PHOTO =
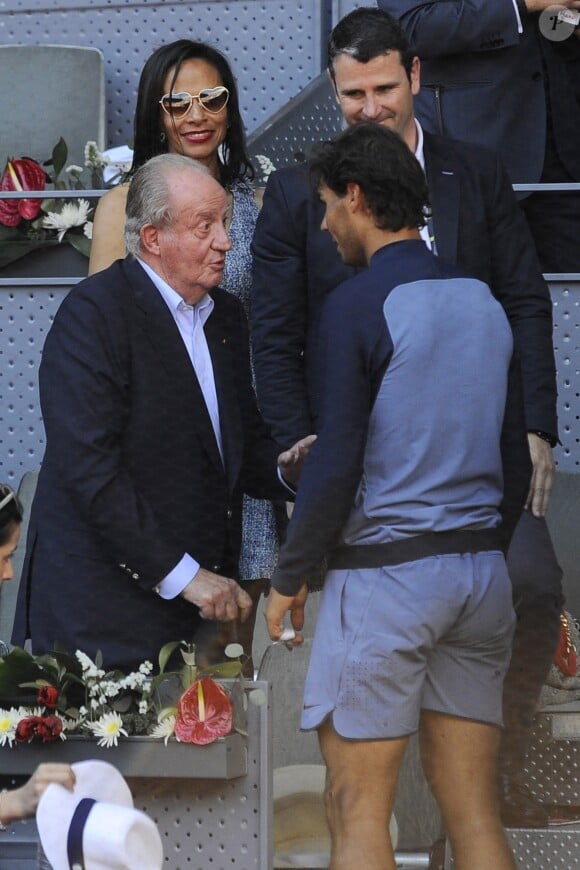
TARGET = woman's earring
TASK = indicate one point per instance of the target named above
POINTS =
(162, 137)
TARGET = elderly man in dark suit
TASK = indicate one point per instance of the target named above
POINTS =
(476, 224)
(153, 435)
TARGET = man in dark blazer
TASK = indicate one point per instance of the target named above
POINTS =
(476, 223)
(153, 434)
(501, 73)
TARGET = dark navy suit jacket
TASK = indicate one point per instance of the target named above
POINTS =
(132, 477)
(478, 226)
(483, 81)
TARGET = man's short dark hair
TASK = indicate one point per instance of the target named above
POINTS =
(389, 175)
(367, 33)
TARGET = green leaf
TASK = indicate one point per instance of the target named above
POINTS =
(166, 652)
(16, 668)
(225, 670)
(79, 243)
(11, 251)
(59, 157)
(166, 713)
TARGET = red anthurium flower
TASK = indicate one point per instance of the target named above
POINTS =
(48, 696)
(204, 713)
(22, 174)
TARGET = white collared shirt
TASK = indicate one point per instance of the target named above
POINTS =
(190, 320)
(421, 158)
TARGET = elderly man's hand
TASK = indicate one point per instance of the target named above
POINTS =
(217, 597)
(542, 475)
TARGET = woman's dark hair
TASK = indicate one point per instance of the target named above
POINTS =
(10, 513)
(380, 162)
(149, 138)
(366, 33)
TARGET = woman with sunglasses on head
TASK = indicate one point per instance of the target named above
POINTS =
(187, 103)
(20, 803)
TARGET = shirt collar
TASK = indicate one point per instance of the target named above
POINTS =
(419, 149)
(172, 299)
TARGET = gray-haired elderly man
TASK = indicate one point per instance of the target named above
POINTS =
(153, 435)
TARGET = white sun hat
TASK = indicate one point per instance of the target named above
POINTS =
(301, 834)
(96, 827)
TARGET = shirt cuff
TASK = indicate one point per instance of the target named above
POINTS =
(285, 483)
(177, 579)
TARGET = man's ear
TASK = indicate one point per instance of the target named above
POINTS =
(150, 239)
(415, 76)
(354, 197)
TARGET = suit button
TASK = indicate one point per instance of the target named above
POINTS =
(135, 576)
(229, 514)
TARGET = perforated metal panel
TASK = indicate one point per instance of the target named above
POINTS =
(274, 46)
(25, 317)
(566, 299)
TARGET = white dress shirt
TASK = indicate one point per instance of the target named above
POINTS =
(190, 320)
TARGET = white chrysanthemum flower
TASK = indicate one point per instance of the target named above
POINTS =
(108, 728)
(69, 724)
(88, 229)
(93, 157)
(9, 719)
(73, 214)
(165, 728)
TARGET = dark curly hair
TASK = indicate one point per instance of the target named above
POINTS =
(10, 513)
(366, 33)
(234, 163)
(389, 175)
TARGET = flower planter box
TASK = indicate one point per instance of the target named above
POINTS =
(138, 756)
(59, 261)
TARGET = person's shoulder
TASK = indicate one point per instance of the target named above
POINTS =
(114, 199)
(295, 177)
(467, 154)
(104, 286)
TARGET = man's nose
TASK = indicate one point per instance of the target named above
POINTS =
(222, 240)
(372, 107)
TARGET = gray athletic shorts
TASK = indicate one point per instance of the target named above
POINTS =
(432, 634)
